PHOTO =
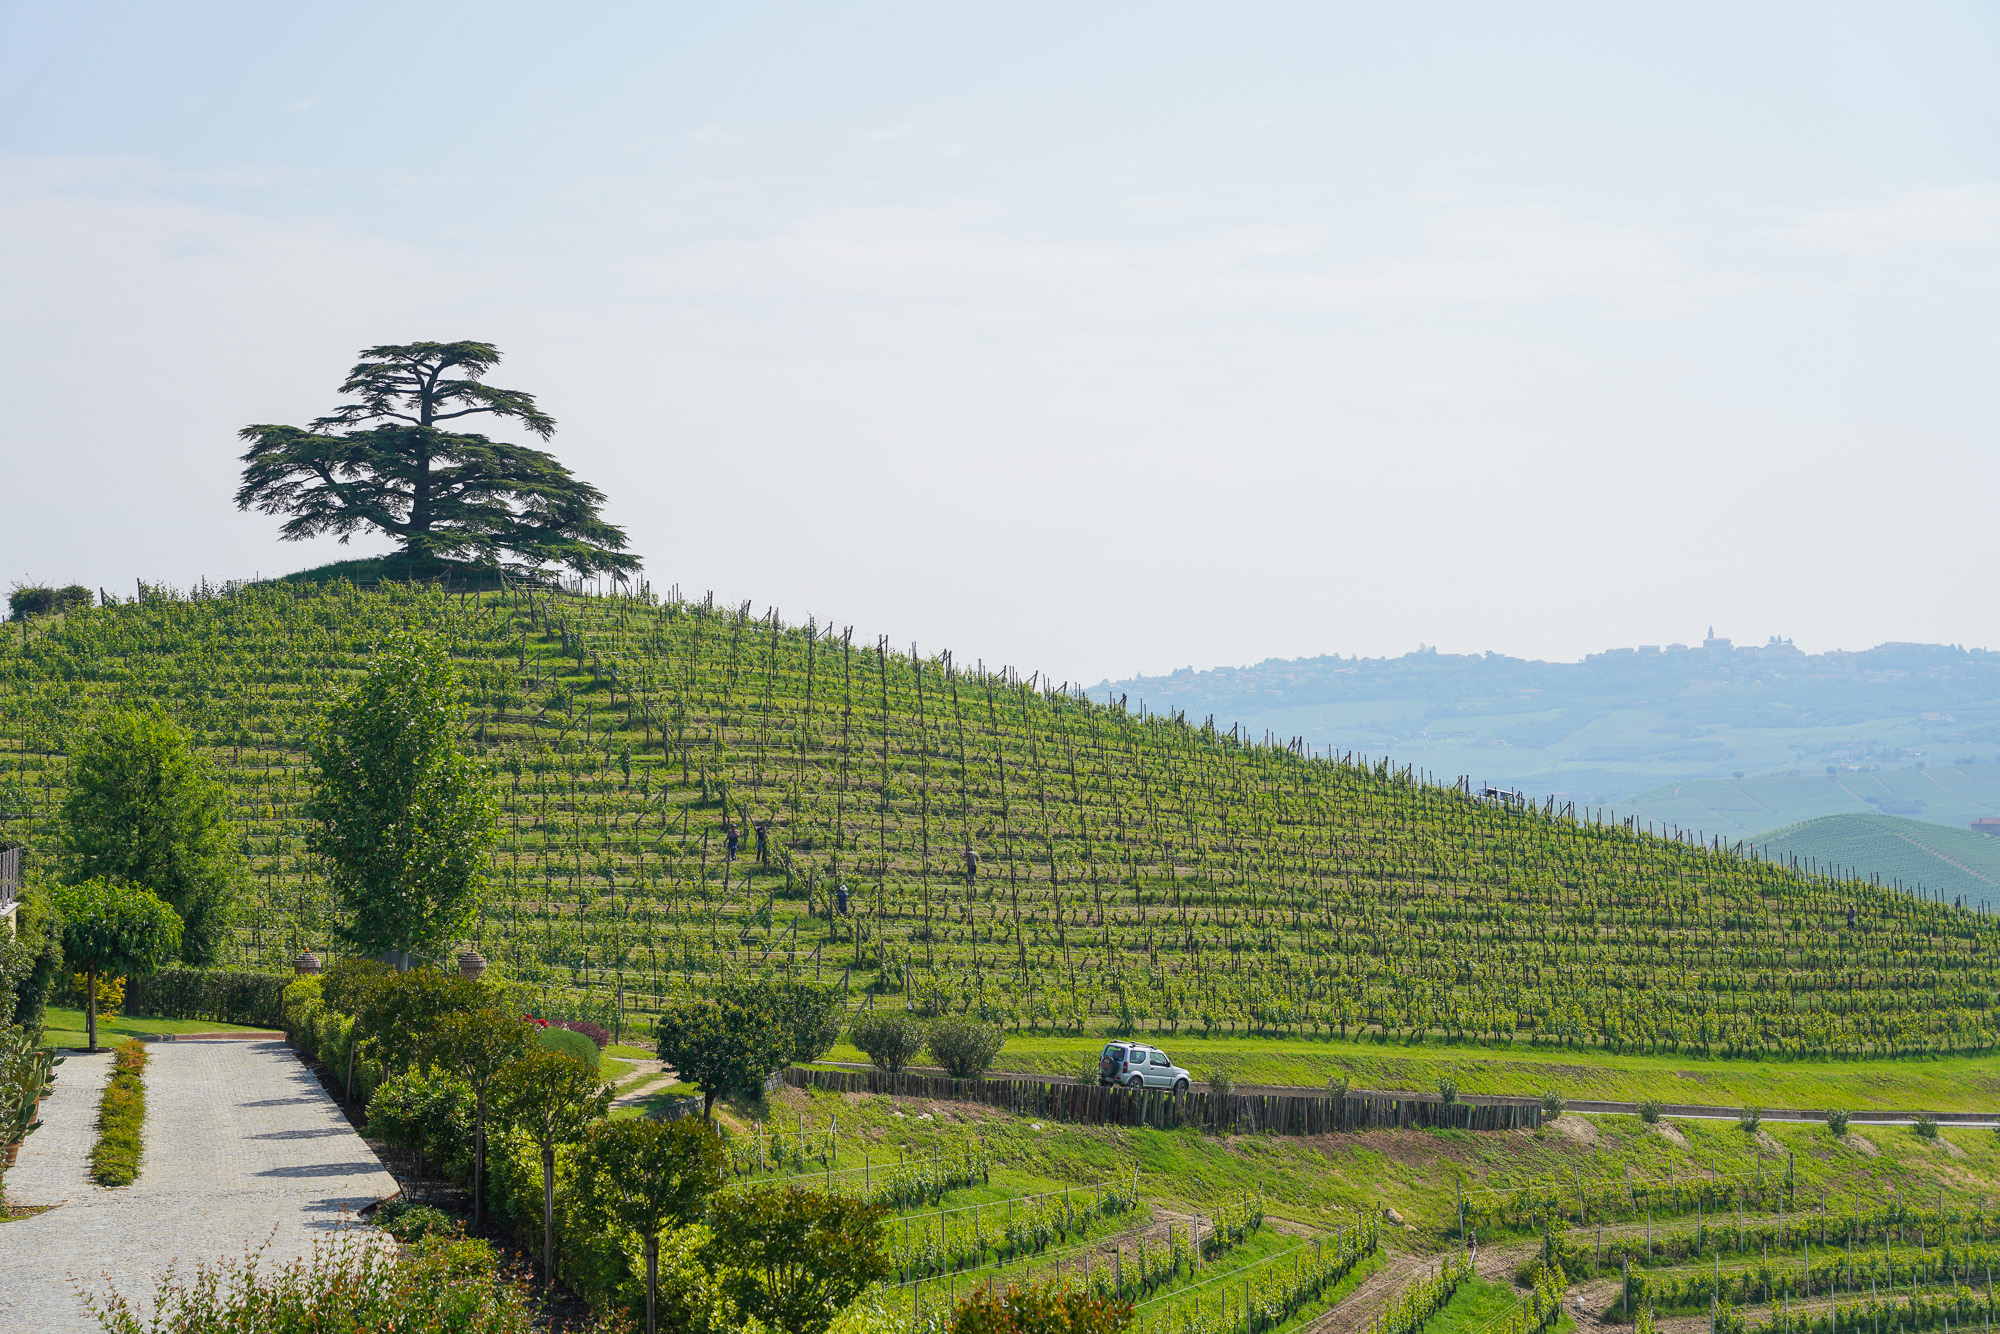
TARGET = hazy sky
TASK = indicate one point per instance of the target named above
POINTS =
(1087, 338)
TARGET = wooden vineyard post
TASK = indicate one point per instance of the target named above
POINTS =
(1458, 1187)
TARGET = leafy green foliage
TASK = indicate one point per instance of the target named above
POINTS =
(964, 1047)
(574, 1046)
(1836, 1123)
(1650, 1110)
(889, 1038)
(142, 808)
(398, 810)
(121, 1118)
(796, 1257)
(476, 1045)
(114, 929)
(226, 996)
(35, 600)
(649, 1177)
(721, 1046)
(1039, 1311)
(552, 1099)
(345, 1283)
(427, 1112)
(31, 962)
(441, 493)
(1925, 1126)
(1220, 1079)
(411, 1223)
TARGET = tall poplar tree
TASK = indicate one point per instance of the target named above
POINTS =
(399, 811)
(143, 809)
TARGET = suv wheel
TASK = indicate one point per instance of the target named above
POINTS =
(1136, 1082)
(1180, 1086)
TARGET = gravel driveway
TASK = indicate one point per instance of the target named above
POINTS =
(243, 1146)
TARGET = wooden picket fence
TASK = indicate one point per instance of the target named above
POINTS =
(1277, 1114)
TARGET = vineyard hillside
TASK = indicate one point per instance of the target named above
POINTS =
(1957, 862)
(1132, 870)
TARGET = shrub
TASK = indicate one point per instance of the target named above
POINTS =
(1749, 1119)
(110, 992)
(36, 600)
(121, 1118)
(411, 1223)
(889, 1038)
(595, 1032)
(1448, 1089)
(1836, 1123)
(964, 1047)
(428, 1113)
(1925, 1125)
(1336, 1085)
(345, 1283)
(1650, 1109)
(1553, 1105)
(577, 1046)
(1039, 1311)
(1219, 1080)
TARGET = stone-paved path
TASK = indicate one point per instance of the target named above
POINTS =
(55, 1160)
(243, 1146)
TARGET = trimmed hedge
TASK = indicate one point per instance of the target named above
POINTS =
(121, 1116)
(576, 1046)
(217, 995)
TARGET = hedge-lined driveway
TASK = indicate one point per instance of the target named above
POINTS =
(243, 1147)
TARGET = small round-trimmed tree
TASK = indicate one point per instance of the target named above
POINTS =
(797, 1258)
(889, 1038)
(964, 1047)
(553, 1099)
(650, 1176)
(114, 930)
(477, 1045)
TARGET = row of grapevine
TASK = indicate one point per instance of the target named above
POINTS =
(1003, 1231)
(1960, 1307)
(1887, 1226)
(1135, 870)
(1870, 1272)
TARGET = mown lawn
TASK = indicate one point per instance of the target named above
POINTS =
(1938, 1084)
(64, 1027)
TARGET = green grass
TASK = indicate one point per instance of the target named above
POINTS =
(1936, 1084)
(64, 1027)
(121, 1118)
(399, 568)
(1478, 1303)
(1917, 852)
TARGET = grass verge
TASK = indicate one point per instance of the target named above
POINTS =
(1911, 1083)
(1477, 1304)
(64, 1027)
(121, 1118)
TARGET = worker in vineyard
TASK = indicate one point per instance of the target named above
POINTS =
(763, 842)
(729, 841)
(840, 894)
(971, 866)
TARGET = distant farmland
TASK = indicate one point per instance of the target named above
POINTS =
(1950, 861)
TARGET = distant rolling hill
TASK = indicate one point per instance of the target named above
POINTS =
(1941, 794)
(1950, 861)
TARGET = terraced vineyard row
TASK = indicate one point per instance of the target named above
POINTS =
(1007, 847)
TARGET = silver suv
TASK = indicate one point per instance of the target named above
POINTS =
(1136, 1065)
